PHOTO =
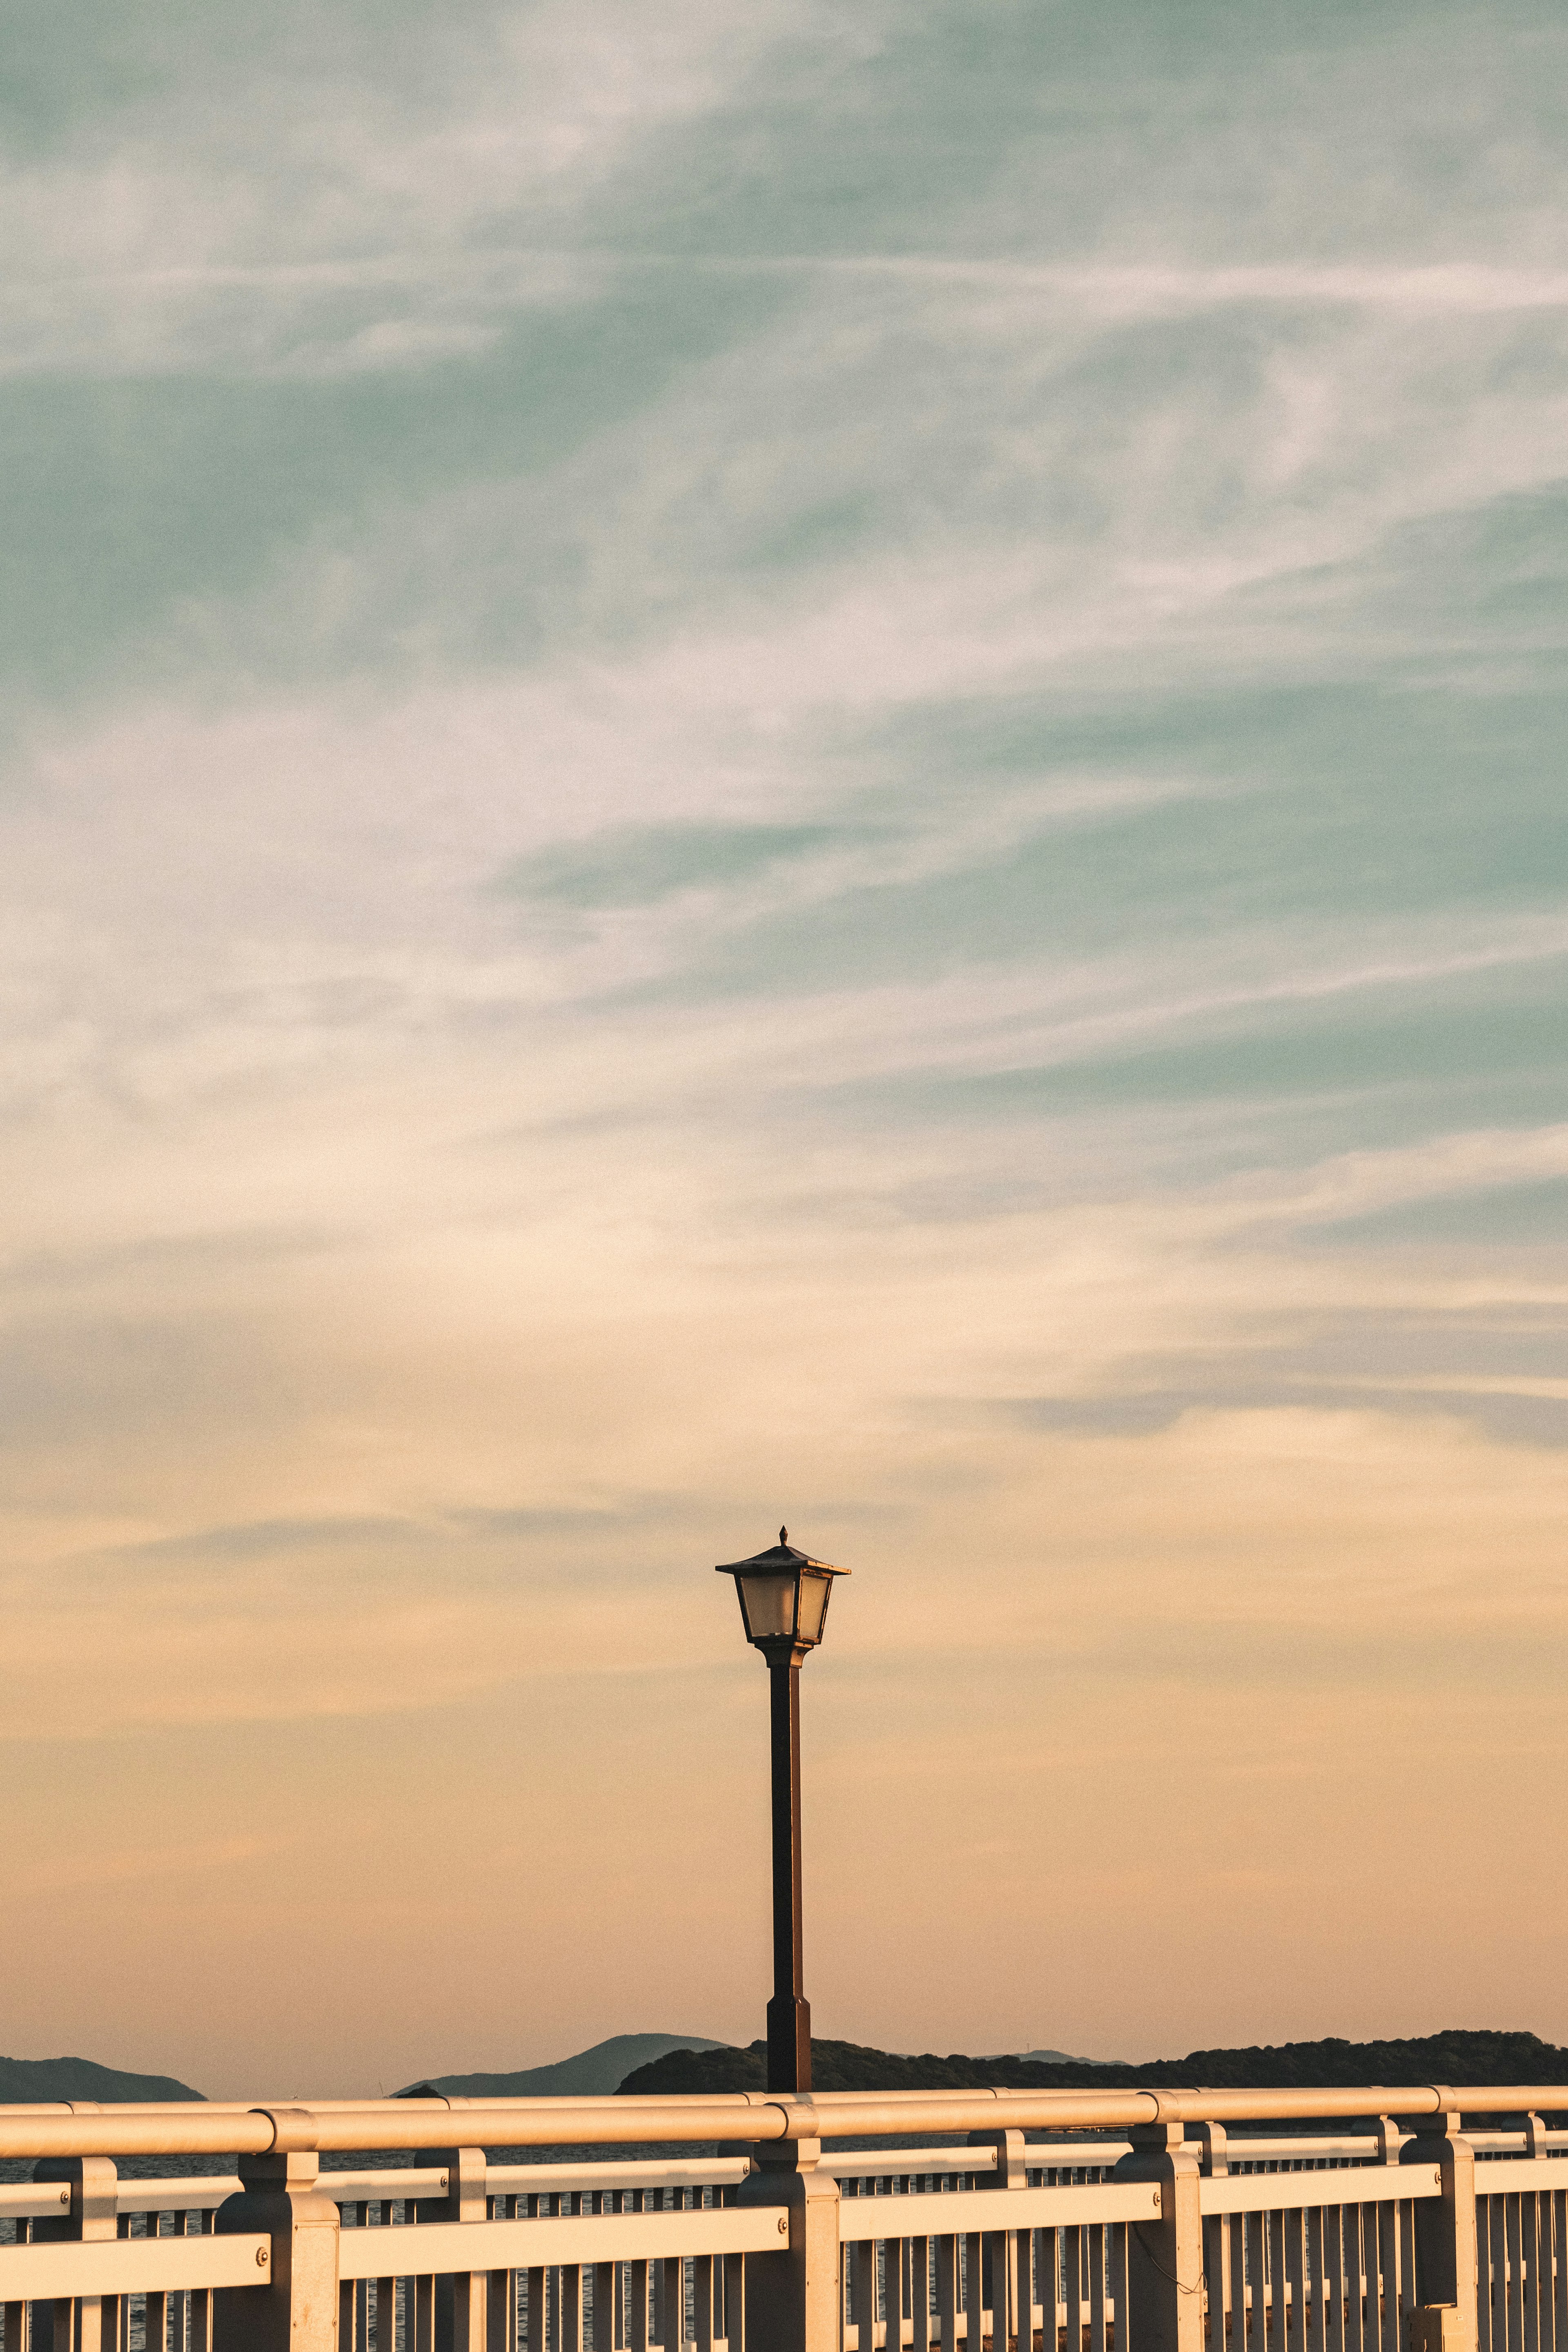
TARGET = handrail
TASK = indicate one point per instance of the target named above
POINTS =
(735, 2116)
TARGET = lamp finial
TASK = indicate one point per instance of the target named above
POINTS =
(783, 1534)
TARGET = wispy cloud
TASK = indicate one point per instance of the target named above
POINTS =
(806, 765)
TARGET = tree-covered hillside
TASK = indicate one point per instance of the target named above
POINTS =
(1457, 2057)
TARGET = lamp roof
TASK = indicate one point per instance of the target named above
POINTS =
(782, 1559)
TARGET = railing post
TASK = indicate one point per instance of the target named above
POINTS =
(1164, 2255)
(93, 2186)
(297, 2309)
(792, 2298)
(1445, 2237)
(461, 2296)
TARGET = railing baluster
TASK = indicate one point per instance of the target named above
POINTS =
(1513, 2333)
(1321, 2246)
(1073, 2276)
(1352, 2219)
(1530, 2251)
(920, 2285)
(1036, 2264)
(1548, 2237)
(1328, 2235)
(735, 2302)
(863, 2292)
(201, 2298)
(1257, 2284)
(1293, 2227)
(947, 2292)
(1232, 2290)
(182, 2300)
(1095, 2233)
(155, 2327)
(1408, 2283)
(568, 2312)
(1235, 2334)
(1275, 2233)
(1222, 2266)
(639, 2282)
(671, 2303)
(601, 2278)
(1119, 2289)
(619, 2202)
(531, 2337)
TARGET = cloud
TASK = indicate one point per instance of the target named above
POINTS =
(317, 202)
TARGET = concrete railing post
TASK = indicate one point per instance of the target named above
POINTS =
(90, 2185)
(1444, 2320)
(461, 2296)
(792, 2298)
(1164, 2256)
(297, 2310)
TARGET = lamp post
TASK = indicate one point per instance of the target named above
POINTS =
(783, 1597)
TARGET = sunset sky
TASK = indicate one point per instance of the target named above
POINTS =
(794, 761)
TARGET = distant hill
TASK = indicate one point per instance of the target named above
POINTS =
(601, 2069)
(1064, 2058)
(30, 2081)
(1452, 2057)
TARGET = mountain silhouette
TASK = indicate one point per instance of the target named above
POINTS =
(1455, 2057)
(33, 2082)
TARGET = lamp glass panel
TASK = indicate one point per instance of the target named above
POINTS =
(769, 1605)
(814, 1605)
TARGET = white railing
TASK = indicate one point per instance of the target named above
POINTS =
(1431, 2241)
(1522, 2250)
(980, 2257)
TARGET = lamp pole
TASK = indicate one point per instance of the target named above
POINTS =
(789, 2011)
(783, 1596)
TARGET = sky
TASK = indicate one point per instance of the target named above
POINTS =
(791, 764)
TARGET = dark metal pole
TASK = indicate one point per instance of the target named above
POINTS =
(789, 2011)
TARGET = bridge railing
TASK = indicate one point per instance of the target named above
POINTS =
(1145, 2222)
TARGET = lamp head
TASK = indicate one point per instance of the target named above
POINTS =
(783, 1594)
